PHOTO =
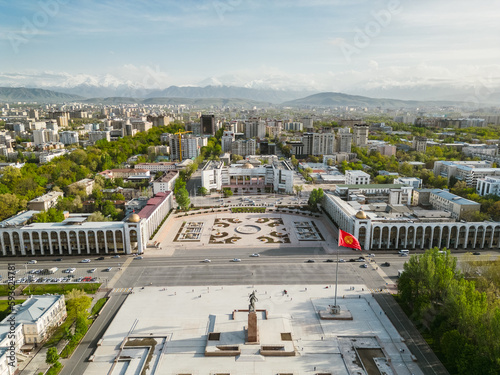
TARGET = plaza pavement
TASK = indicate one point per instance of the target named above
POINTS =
(179, 319)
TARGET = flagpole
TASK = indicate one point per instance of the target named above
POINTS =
(336, 310)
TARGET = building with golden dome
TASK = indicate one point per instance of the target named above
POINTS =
(76, 236)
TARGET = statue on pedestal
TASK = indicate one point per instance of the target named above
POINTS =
(253, 298)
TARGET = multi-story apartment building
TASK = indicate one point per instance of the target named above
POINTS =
(420, 144)
(244, 147)
(45, 136)
(255, 128)
(190, 146)
(488, 185)
(294, 125)
(95, 136)
(458, 206)
(87, 184)
(468, 171)
(414, 182)
(360, 134)
(68, 137)
(46, 201)
(227, 140)
(318, 143)
(344, 140)
(166, 182)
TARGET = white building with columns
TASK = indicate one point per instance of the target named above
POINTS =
(78, 237)
(390, 227)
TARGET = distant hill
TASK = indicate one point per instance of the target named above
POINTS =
(198, 102)
(337, 99)
(23, 94)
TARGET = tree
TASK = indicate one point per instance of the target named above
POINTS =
(236, 157)
(329, 162)
(294, 161)
(315, 198)
(227, 192)
(10, 205)
(298, 189)
(52, 356)
(182, 198)
(52, 215)
(202, 191)
(97, 216)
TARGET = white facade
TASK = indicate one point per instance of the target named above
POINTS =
(68, 137)
(488, 185)
(458, 206)
(414, 182)
(409, 231)
(156, 167)
(165, 183)
(190, 146)
(227, 140)
(86, 238)
(277, 176)
(356, 177)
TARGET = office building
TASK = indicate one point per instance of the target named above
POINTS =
(488, 185)
(208, 124)
(355, 177)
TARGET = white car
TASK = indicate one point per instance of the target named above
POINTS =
(85, 261)
(255, 255)
(32, 262)
(108, 269)
(207, 261)
(138, 257)
(71, 270)
(115, 256)
(92, 270)
(236, 260)
(364, 265)
(371, 255)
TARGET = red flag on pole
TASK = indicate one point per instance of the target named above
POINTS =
(348, 240)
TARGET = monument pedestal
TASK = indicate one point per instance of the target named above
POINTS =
(252, 330)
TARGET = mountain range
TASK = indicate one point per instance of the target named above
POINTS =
(222, 96)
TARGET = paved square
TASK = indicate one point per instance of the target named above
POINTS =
(167, 330)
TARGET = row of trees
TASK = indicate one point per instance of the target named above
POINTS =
(464, 321)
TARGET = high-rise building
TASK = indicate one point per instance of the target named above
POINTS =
(68, 138)
(207, 124)
(190, 146)
(344, 140)
(360, 134)
(226, 140)
(244, 147)
(318, 143)
(308, 124)
(255, 128)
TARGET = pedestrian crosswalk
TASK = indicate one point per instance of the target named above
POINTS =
(121, 290)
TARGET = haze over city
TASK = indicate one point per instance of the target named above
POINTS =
(398, 49)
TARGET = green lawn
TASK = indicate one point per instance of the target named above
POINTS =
(98, 306)
(37, 289)
(5, 309)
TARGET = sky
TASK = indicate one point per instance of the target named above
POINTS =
(356, 46)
